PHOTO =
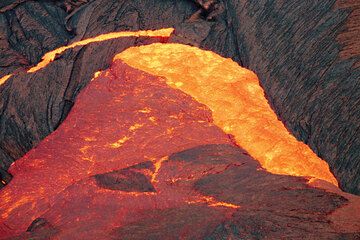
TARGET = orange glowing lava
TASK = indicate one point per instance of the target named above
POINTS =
(50, 56)
(4, 79)
(210, 201)
(139, 126)
(237, 101)
(128, 124)
(157, 164)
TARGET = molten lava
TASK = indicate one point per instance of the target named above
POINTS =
(50, 56)
(235, 97)
(4, 79)
(136, 147)
(237, 102)
(136, 119)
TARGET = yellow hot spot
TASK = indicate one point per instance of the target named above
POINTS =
(119, 142)
(237, 102)
(152, 119)
(50, 56)
(126, 194)
(90, 159)
(90, 139)
(135, 127)
(84, 149)
(212, 202)
(4, 79)
(179, 84)
(174, 180)
(223, 204)
(145, 110)
(157, 164)
(170, 130)
(137, 194)
(96, 74)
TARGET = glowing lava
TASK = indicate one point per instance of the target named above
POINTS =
(237, 101)
(210, 201)
(127, 124)
(50, 56)
(133, 149)
(4, 79)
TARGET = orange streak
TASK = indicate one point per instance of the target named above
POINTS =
(157, 164)
(4, 79)
(237, 101)
(96, 74)
(210, 201)
(50, 56)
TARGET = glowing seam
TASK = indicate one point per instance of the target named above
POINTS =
(4, 79)
(50, 56)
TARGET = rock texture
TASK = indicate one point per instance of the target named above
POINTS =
(28, 31)
(145, 161)
(305, 54)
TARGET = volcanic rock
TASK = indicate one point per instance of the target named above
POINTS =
(127, 180)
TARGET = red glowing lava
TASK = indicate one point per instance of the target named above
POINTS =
(135, 118)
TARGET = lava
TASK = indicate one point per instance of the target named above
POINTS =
(127, 124)
(213, 203)
(4, 79)
(136, 147)
(159, 148)
(50, 56)
(157, 164)
(237, 101)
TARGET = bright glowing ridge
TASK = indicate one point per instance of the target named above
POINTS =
(50, 56)
(237, 101)
(4, 79)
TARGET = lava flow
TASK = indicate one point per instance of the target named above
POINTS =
(50, 56)
(135, 122)
(4, 79)
(137, 158)
(237, 102)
